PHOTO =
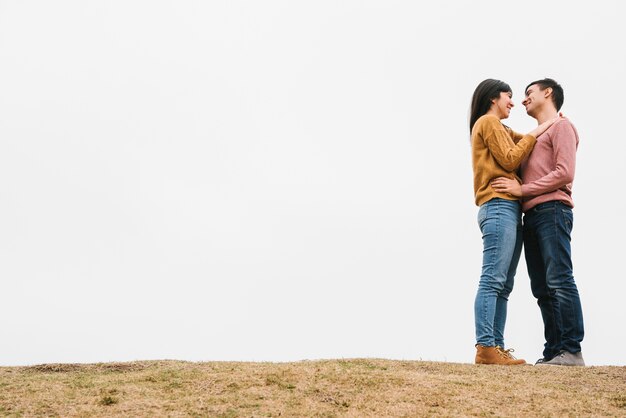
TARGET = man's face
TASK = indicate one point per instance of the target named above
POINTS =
(535, 99)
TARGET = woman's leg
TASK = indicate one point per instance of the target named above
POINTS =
(499, 222)
(503, 297)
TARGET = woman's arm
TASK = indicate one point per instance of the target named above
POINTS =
(516, 136)
(498, 140)
(543, 127)
(509, 157)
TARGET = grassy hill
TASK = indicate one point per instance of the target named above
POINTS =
(342, 388)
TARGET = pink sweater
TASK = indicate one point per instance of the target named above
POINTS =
(548, 173)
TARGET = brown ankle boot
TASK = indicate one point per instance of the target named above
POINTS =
(508, 355)
(495, 355)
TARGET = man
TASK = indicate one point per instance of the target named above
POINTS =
(546, 193)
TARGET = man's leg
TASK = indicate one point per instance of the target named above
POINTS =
(537, 273)
(560, 279)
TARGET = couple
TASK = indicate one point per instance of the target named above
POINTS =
(546, 157)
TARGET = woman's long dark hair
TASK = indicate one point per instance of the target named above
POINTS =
(481, 100)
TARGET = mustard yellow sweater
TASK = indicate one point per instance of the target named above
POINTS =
(497, 151)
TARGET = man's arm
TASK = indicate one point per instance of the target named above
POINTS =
(564, 146)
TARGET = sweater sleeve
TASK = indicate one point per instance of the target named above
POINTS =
(516, 136)
(564, 146)
(509, 157)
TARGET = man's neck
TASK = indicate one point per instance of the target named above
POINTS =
(546, 114)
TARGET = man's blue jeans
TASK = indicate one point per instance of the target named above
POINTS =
(547, 229)
(500, 222)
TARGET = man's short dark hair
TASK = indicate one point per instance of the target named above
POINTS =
(557, 91)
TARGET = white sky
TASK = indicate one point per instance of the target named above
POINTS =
(281, 180)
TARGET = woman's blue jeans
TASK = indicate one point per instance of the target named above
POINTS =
(500, 222)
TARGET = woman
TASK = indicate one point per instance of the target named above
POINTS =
(497, 151)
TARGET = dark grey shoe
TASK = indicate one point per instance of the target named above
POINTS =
(564, 358)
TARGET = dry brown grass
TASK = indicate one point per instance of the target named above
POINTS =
(341, 388)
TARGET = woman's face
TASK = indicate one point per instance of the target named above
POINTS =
(501, 106)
